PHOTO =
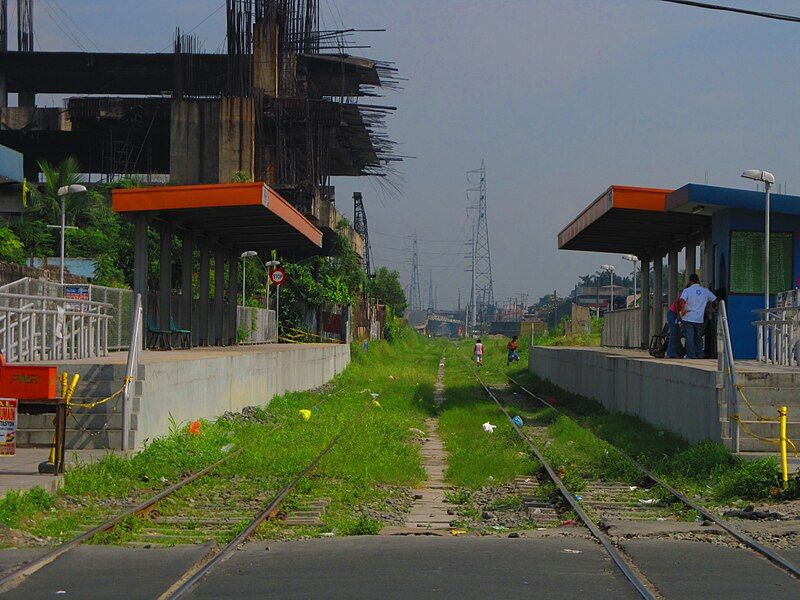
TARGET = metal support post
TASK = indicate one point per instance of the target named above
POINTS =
(645, 304)
(233, 292)
(658, 296)
(140, 266)
(187, 269)
(202, 320)
(219, 296)
(690, 260)
(672, 275)
(165, 278)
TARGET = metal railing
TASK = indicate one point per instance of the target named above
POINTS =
(778, 335)
(38, 328)
(131, 369)
(119, 328)
(727, 370)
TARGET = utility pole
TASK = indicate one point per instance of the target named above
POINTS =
(459, 299)
(431, 302)
(415, 299)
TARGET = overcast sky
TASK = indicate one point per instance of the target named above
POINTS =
(562, 98)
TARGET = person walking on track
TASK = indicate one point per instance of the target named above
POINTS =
(478, 352)
(512, 351)
(696, 298)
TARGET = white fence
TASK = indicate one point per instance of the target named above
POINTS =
(778, 335)
(255, 325)
(39, 328)
(121, 299)
(623, 328)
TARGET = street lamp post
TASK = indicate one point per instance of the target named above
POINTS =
(244, 256)
(768, 179)
(63, 192)
(634, 259)
(610, 269)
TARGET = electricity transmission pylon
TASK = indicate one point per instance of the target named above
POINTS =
(361, 228)
(415, 297)
(484, 292)
(431, 301)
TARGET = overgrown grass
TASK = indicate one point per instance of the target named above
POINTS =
(478, 458)
(375, 450)
(706, 468)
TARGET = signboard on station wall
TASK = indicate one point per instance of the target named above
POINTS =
(77, 292)
(747, 262)
(8, 426)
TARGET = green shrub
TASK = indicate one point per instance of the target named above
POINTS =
(365, 526)
(753, 480)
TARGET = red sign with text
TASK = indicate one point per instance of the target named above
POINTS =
(8, 426)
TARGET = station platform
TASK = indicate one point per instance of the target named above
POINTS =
(180, 386)
(686, 397)
(21, 471)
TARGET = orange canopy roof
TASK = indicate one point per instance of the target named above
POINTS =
(246, 215)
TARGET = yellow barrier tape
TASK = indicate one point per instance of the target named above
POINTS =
(750, 432)
(127, 380)
(750, 406)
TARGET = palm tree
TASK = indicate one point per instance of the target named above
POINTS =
(45, 201)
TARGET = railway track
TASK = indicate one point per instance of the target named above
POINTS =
(15, 577)
(597, 494)
(194, 575)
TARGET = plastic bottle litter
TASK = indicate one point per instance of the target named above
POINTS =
(226, 448)
(305, 414)
(488, 427)
(517, 421)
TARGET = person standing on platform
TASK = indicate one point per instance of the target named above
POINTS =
(695, 298)
(673, 322)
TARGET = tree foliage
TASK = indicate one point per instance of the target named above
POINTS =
(386, 287)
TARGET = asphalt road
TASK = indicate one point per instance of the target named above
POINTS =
(420, 567)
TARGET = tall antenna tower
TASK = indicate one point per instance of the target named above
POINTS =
(361, 228)
(484, 292)
(415, 297)
(431, 301)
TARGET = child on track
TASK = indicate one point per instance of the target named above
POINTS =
(478, 352)
(512, 351)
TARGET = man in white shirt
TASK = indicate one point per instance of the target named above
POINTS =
(693, 315)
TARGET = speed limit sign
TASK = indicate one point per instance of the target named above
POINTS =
(278, 276)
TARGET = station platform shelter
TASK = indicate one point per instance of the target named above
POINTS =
(720, 233)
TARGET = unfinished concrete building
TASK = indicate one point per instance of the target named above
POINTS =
(280, 104)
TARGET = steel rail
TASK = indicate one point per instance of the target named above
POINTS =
(196, 573)
(13, 578)
(606, 542)
(765, 551)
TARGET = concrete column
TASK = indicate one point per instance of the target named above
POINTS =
(645, 302)
(691, 260)
(140, 266)
(165, 277)
(658, 301)
(202, 321)
(187, 269)
(708, 262)
(219, 295)
(233, 292)
(672, 275)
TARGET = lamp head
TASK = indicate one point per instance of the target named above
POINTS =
(247, 253)
(272, 263)
(631, 257)
(759, 175)
(75, 188)
(608, 267)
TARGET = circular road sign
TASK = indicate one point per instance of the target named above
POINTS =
(278, 276)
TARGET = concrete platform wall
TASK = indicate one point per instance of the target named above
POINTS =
(675, 397)
(206, 388)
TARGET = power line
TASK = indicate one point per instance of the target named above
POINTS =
(742, 11)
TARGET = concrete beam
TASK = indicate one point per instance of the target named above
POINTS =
(205, 266)
(672, 275)
(219, 296)
(658, 301)
(165, 276)
(187, 269)
(708, 262)
(645, 302)
(140, 266)
(690, 260)
(233, 292)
